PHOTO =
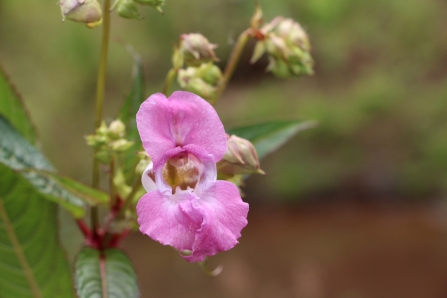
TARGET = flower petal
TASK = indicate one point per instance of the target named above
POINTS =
(147, 180)
(224, 215)
(183, 118)
(163, 218)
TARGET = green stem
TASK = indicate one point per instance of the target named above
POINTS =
(111, 185)
(232, 62)
(168, 81)
(100, 90)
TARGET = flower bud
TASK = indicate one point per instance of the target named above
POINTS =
(157, 4)
(127, 9)
(83, 11)
(197, 49)
(121, 145)
(241, 158)
(145, 160)
(201, 80)
(116, 129)
(288, 47)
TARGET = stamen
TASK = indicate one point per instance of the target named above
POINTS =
(181, 171)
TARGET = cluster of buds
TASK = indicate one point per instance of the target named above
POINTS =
(241, 158)
(82, 11)
(128, 9)
(201, 75)
(108, 141)
(287, 45)
(202, 80)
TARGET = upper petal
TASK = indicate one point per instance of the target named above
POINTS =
(224, 216)
(183, 118)
(165, 218)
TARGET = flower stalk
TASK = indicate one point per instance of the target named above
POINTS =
(232, 62)
(100, 91)
(168, 81)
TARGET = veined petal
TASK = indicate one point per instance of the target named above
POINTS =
(224, 216)
(183, 118)
(164, 218)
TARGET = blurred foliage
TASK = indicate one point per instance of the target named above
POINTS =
(379, 92)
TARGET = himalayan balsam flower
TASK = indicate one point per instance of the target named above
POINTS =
(185, 206)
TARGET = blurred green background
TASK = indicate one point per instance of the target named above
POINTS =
(379, 93)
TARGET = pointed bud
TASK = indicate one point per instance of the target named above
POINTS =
(83, 11)
(157, 4)
(256, 19)
(197, 49)
(241, 158)
(258, 51)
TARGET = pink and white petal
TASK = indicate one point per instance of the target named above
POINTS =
(147, 180)
(224, 216)
(183, 118)
(164, 219)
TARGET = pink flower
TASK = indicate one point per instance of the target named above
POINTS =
(185, 206)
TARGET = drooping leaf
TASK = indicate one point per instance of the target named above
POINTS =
(13, 109)
(105, 274)
(32, 262)
(128, 115)
(268, 137)
(18, 154)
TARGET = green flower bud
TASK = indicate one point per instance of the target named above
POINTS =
(119, 181)
(288, 47)
(157, 4)
(103, 156)
(201, 80)
(201, 88)
(210, 73)
(83, 11)
(121, 145)
(241, 158)
(127, 9)
(197, 49)
(116, 129)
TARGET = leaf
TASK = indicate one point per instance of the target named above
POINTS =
(105, 274)
(18, 154)
(128, 116)
(13, 108)
(87, 193)
(268, 137)
(32, 262)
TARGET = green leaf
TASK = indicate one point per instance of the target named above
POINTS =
(88, 194)
(128, 116)
(105, 274)
(32, 262)
(268, 137)
(13, 108)
(18, 154)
